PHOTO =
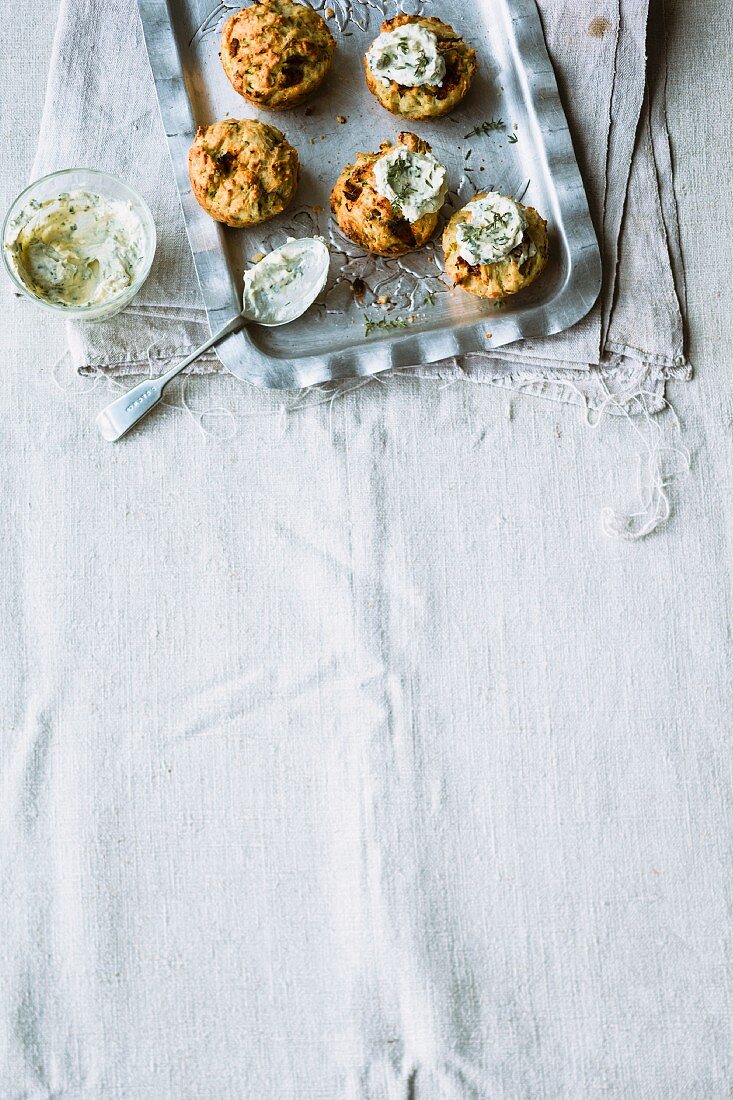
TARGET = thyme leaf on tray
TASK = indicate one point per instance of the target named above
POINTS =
(486, 127)
(384, 323)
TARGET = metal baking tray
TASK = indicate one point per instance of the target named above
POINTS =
(379, 313)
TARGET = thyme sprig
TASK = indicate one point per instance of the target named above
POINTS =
(421, 65)
(398, 180)
(486, 127)
(383, 323)
(494, 232)
(390, 57)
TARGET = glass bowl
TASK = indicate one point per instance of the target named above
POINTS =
(79, 179)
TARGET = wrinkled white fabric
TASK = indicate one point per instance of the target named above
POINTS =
(599, 54)
(347, 758)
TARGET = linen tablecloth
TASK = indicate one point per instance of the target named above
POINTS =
(352, 760)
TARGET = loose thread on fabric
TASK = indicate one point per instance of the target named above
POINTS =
(72, 386)
(282, 410)
(216, 411)
(331, 396)
(652, 480)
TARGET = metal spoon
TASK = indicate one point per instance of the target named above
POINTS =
(124, 412)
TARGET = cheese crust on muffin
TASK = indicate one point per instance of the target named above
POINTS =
(242, 171)
(276, 53)
(508, 274)
(370, 218)
(441, 58)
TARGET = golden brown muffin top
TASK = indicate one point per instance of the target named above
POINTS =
(425, 101)
(504, 277)
(242, 171)
(275, 53)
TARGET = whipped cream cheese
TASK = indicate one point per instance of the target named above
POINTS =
(414, 183)
(495, 227)
(79, 249)
(285, 282)
(408, 55)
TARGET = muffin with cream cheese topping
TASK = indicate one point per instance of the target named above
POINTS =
(388, 202)
(419, 67)
(494, 246)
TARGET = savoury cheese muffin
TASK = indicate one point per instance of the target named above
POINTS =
(388, 202)
(242, 171)
(419, 67)
(494, 246)
(276, 53)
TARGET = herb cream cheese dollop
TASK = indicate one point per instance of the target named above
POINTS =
(495, 227)
(79, 249)
(408, 55)
(414, 183)
(285, 282)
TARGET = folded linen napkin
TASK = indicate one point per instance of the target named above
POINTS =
(101, 110)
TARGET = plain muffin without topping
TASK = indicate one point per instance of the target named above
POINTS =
(276, 53)
(242, 171)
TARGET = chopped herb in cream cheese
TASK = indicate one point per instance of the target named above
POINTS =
(494, 228)
(79, 249)
(285, 282)
(414, 183)
(409, 55)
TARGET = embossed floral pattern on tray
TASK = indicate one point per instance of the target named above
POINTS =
(345, 13)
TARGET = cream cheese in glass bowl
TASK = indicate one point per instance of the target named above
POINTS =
(79, 242)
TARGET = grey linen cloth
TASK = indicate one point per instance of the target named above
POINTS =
(101, 110)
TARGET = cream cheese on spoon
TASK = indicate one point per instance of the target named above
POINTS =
(285, 282)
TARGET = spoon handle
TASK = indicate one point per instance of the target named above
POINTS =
(123, 413)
